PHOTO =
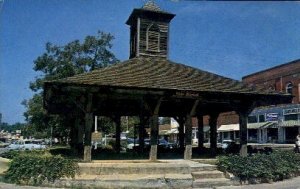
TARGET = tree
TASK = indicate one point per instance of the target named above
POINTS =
(60, 62)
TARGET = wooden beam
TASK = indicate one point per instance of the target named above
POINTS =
(188, 131)
(194, 108)
(243, 110)
(213, 133)
(117, 121)
(154, 131)
(188, 137)
(88, 129)
(200, 133)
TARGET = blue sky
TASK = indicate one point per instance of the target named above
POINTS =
(232, 39)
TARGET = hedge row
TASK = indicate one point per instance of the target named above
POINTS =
(38, 167)
(276, 166)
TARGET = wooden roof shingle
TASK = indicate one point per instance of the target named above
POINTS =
(163, 74)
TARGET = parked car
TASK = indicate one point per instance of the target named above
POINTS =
(131, 143)
(165, 144)
(27, 145)
(226, 143)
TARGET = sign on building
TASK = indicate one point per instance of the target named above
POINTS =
(291, 111)
(272, 117)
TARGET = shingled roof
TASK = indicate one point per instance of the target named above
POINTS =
(159, 73)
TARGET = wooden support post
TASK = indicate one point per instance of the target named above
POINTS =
(181, 133)
(73, 136)
(80, 133)
(188, 132)
(154, 131)
(87, 155)
(141, 134)
(188, 137)
(243, 110)
(243, 133)
(213, 134)
(117, 120)
(154, 137)
(200, 133)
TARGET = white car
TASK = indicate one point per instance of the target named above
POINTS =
(226, 143)
(26, 145)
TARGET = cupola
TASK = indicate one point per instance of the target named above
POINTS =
(149, 31)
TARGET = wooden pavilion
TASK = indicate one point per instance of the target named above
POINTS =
(149, 85)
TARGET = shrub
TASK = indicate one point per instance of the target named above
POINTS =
(10, 154)
(274, 166)
(36, 168)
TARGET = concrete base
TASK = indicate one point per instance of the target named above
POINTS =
(87, 154)
(136, 174)
(243, 150)
(153, 153)
(188, 152)
(163, 181)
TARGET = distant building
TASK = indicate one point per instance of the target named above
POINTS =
(282, 78)
(274, 123)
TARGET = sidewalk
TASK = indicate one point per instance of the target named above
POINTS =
(293, 183)
(286, 184)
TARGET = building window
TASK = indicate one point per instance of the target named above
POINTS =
(252, 119)
(271, 88)
(291, 117)
(289, 88)
(261, 118)
(153, 38)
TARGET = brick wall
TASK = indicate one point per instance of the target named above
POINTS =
(278, 77)
(224, 119)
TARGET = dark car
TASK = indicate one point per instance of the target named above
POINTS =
(162, 143)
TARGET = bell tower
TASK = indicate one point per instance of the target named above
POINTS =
(149, 31)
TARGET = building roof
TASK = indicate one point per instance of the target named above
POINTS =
(150, 5)
(272, 68)
(163, 74)
(150, 9)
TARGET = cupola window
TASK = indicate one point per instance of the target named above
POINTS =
(153, 38)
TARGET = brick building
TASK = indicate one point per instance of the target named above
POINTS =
(275, 123)
(282, 78)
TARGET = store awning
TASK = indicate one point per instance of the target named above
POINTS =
(235, 127)
(290, 123)
(270, 125)
(230, 127)
(255, 125)
(263, 125)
